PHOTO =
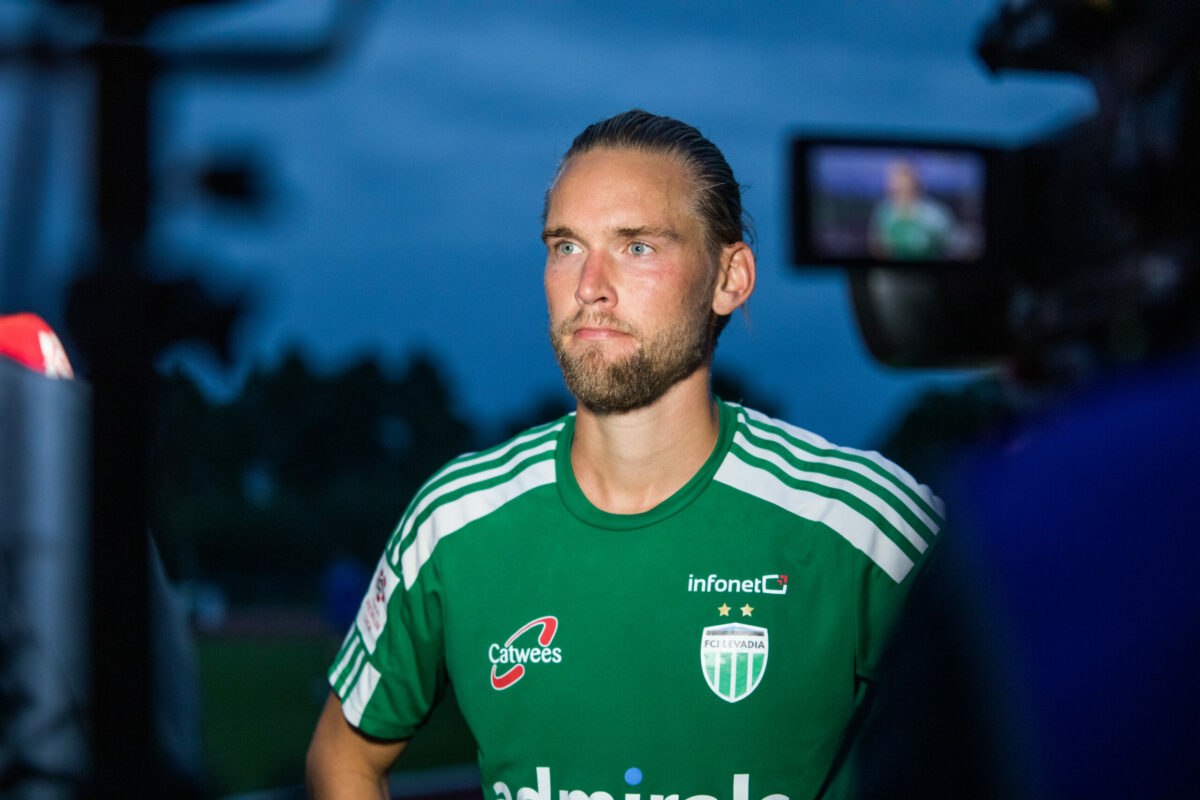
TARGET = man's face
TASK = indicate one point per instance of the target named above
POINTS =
(902, 184)
(629, 283)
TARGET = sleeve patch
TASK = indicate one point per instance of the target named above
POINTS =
(372, 614)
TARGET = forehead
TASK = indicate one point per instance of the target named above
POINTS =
(621, 188)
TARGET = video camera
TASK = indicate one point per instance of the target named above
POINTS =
(963, 253)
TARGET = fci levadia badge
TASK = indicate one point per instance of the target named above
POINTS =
(733, 658)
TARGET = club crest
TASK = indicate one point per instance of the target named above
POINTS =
(733, 658)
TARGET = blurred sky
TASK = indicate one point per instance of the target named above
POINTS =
(408, 177)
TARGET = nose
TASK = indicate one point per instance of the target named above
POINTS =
(595, 285)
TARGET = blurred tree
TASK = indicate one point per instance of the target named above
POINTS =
(299, 468)
(549, 407)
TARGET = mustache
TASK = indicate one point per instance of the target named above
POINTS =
(593, 320)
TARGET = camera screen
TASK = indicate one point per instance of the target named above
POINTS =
(874, 203)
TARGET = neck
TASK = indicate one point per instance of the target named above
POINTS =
(629, 463)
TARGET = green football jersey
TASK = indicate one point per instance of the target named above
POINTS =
(714, 646)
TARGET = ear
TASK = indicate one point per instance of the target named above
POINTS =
(735, 280)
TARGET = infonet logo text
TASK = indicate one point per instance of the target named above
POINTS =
(515, 658)
(767, 584)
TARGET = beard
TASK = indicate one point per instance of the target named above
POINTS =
(606, 386)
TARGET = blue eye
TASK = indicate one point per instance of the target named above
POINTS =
(640, 249)
(567, 248)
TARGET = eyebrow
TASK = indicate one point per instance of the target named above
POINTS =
(561, 232)
(647, 232)
(639, 232)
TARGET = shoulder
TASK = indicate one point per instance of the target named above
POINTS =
(470, 487)
(934, 212)
(865, 498)
(480, 470)
(770, 444)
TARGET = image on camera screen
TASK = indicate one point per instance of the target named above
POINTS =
(888, 204)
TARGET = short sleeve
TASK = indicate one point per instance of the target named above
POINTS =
(881, 600)
(390, 669)
(883, 593)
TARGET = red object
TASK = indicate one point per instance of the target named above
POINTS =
(27, 339)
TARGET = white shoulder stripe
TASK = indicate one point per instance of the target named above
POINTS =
(454, 516)
(356, 702)
(858, 490)
(810, 438)
(471, 460)
(336, 676)
(415, 513)
(845, 521)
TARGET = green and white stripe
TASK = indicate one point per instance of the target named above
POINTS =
(470, 488)
(353, 677)
(873, 504)
(734, 675)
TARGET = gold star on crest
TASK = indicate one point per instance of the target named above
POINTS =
(723, 610)
(747, 610)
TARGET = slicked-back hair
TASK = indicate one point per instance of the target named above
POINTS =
(718, 196)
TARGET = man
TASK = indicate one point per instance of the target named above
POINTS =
(661, 595)
(908, 223)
